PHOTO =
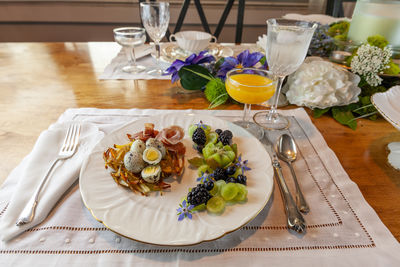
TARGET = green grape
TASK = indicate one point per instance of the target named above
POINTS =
(215, 190)
(217, 158)
(225, 160)
(237, 172)
(203, 169)
(231, 155)
(212, 138)
(242, 193)
(216, 204)
(191, 130)
(199, 207)
(229, 191)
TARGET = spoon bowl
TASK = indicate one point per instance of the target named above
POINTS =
(287, 151)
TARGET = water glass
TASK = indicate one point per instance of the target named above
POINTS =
(155, 19)
(287, 46)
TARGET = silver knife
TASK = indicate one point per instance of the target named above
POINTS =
(295, 220)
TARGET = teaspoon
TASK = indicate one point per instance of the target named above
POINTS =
(287, 151)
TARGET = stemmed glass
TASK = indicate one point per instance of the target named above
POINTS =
(128, 38)
(250, 86)
(155, 19)
(287, 45)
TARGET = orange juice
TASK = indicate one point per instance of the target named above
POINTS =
(250, 88)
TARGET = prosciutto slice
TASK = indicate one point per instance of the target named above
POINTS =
(171, 135)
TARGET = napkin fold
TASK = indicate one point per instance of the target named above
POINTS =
(32, 169)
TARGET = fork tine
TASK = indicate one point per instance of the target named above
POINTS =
(72, 139)
(76, 137)
(67, 138)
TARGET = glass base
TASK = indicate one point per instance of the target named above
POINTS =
(156, 72)
(134, 69)
(275, 121)
(252, 128)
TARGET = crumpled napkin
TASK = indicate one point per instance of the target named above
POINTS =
(32, 169)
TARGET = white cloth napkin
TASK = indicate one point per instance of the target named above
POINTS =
(32, 169)
(113, 71)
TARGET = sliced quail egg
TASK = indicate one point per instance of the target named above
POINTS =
(152, 155)
(134, 162)
(138, 146)
(152, 142)
(151, 174)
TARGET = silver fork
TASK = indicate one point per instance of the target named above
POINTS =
(67, 150)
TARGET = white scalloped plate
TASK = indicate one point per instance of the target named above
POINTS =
(154, 219)
(387, 103)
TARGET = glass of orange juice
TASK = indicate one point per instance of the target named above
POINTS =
(250, 86)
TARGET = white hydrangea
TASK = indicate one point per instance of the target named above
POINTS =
(370, 61)
(321, 84)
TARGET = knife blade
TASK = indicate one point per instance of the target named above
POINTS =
(295, 220)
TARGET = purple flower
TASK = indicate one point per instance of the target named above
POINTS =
(243, 60)
(204, 177)
(193, 59)
(184, 210)
(242, 164)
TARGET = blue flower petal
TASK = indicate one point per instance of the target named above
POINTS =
(189, 215)
(184, 203)
(243, 56)
(181, 216)
(252, 59)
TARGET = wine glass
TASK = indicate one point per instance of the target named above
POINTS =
(287, 45)
(250, 86)
(155, 18)
(128, 38)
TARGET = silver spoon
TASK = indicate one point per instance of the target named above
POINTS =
(287, 151)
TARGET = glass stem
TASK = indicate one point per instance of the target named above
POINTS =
(246, 113)
(132, 50)
(158, 54)
(128, 54)
(274, 106)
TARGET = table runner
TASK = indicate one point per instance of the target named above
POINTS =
(113, 71)
(342, 228)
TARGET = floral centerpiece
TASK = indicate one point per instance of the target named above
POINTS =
(370, 61)
(204, 72)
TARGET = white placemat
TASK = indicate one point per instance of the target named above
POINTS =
(113, 71)
(343, 230)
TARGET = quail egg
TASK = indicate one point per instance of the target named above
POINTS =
(152, 142)
(138, 146)
(151, 174)
(133, 162)
(152, 155)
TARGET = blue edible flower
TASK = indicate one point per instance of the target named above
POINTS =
(242, 164)
(184, 210)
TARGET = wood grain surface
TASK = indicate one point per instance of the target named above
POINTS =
(39, 81)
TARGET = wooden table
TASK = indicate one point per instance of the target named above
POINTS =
(39, 81)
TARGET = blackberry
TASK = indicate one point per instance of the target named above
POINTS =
(231, 180)
(219, 174)
(218, 131)
(199, 137)
(209, 185)
(225, 137)
(228, 134)
(198, 195)
(230, 170)
(241, 179)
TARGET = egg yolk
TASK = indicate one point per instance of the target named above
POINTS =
(151, 154)
(150, 170)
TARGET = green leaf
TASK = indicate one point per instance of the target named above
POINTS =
(219, 63)
(196, 161)
(319, 112)
(262, 60)
(344, 116)
(191, 77)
